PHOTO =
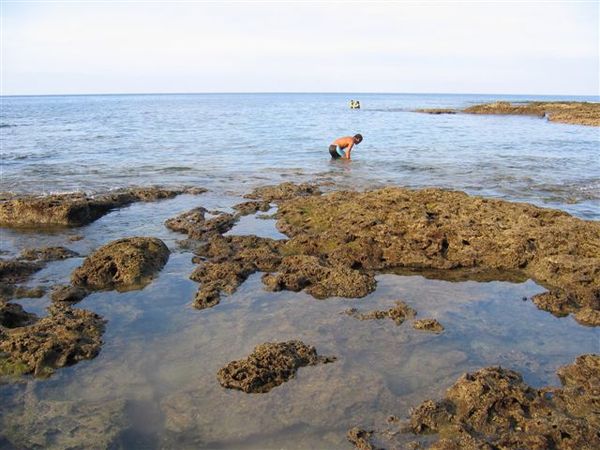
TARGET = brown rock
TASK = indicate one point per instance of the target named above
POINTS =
(13, 271)
(47, 254)
(360, 438)
(428, 325)
(436, 111)
(74, 209)
(283, 191)
(13, 315)
(68, 294)
(494, 408)
(399, 313)
(122, 264)
(268, 366)
(251, 207)
(196, 226)
(60, 339)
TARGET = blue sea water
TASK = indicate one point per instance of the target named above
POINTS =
(235, 141)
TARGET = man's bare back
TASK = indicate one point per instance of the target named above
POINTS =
(341, 147)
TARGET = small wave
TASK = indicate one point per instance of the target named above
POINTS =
(7, 125)
(172, 169)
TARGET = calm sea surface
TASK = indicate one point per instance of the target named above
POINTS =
(154, 385)
(93, 143)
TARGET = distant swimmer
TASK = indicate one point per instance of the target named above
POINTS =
(354, 104)
(341, 147)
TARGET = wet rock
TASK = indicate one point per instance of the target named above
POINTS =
(306, 272)
(434, 229)
(436, 111)
(47, 254)
(27, 292)
(428, 325)
(360, 438)
(268, 366)
(74, 209)
(195, 224)
(283, 191)
(13, 315)
(127, 263)
(64, 337)
(399, 313)
(13, 271)
(227, 261)
(251, 207)
(68, 294)
(75, 237)
(581, 113)
(494, 408)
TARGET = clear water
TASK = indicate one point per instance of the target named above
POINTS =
(154, 383)
(93, 143)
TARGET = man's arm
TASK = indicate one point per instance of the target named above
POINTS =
(348, 150)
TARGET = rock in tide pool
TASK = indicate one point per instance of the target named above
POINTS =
(283, 191)
(13, 315)
(398, 313)
(268, 366)
(68, 294)
(64, 337)
(428, 325)
(195, 224)
(251, 207)
(123, 264)
(494, 408)
(47, 254)
(397, 228)
(75, 209)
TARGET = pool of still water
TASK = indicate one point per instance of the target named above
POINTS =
(154, 383)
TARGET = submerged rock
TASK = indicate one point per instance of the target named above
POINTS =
(64, 337)
(360, 438)
(47, 254)
(268, 366)
(12, 272)
(74, 209)
(428, 325)
(396, 228)
(399, 313)
(283, 191)
(122, 264)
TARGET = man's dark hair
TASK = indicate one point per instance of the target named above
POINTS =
(358, 138)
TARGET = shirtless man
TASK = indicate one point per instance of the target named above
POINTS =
(341, 147)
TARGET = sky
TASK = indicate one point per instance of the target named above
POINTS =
(502, 47)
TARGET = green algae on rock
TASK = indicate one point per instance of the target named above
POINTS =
(123, 264)
(398, 313)
(62, 338)
(397, 228)
(75, 210)
(269, 365)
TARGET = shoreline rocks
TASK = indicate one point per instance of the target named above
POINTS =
(269, 365)
(123, 264)
(75, 210)
(431, 325)
(398, 313)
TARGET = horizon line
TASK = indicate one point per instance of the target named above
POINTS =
(597, 95)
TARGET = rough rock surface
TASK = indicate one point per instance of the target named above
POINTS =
(436, 111)
(396, 228)
(360, 438)
(68, 294)
(47, 254)
(283, 191)
(251, 207)
(195, 224)
(494, 407)
(582, 113)
(75, 209)
(122, 264)
(268, 366)
(60, 339)
(226, 262)
(428, 325)
(13, 315)
(12, 272)
(399, 313)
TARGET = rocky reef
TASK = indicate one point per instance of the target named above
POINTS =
(75, 210)
(494, 408)
(269, 365)
(39, 346)
(578, 113)
(122, 264)
(431, 325)
(397, 228)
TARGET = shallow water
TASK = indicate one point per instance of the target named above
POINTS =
(234, 141)
(154, 383)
